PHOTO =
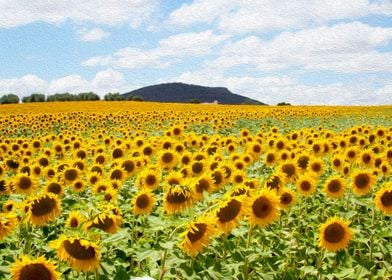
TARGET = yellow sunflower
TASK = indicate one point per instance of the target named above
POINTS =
(4, 188)
(362, 182)
(287, 198)
(149, 178)
(335, 234)
(107, 222)
(8, 223)
(306, 185)
(24, 184)
(174, 178)
(197, 235)
(229, 213)
(79, 253)
(55, 188)
(202, 184)
(383, 199)
(33, 269)
(167, 159)
(274, 182)
(335, 187)
(70, 174)
(178, 198)
(43, 209)
(143, 202)
(316, 167)
(289, 171)
(75, 218)
(264, 208)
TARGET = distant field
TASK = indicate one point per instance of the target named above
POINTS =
(109, 190)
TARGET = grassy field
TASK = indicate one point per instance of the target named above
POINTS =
(110, 190)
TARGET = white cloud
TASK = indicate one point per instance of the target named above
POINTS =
(92, 35)
(344, 47)
(105, 81)
(111, 12)
(23, 86)
(265, 15)
(274, 89)
(175, 46)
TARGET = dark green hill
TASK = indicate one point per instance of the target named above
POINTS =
(185, 93)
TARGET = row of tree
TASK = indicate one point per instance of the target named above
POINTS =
(83, 96)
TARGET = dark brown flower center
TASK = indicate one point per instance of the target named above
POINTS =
(167, 157)
(303, 162)
(116, 174)
(202, 185)
(70, 174)
(334, 233)
(288, 169)
(103, 224)
(142, 201)
(43, 206)
(25, 183)
(261, 207)
(334, 186)
(150, 180)
(54, 188)
(197, 167)
(128, 166)
(74, 223)
(176, 198)
(305, 186)
(35, 271)
(218, 177)
(362, 181)
(78, 251)
(386, 198)
(230, 211)
(286, 198)
(198, 233)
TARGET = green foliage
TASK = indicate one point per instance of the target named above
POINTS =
(35, 97)
(9, 99)
(61, 97)
(283, 104)
(87, 96)
(194, 101)
(113, 97)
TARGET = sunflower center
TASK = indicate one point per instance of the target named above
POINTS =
(202, 185)
(54, 188)
(128, 166)
(142, 201)
(386, 198)
(147, 151)
(176, 198)
(256, 149)
(43, 206)
(351, 154)
(35, 271)
(262, 207)
(25, 183)
(230, 211)
(78, 251)
(197, 167)
(286, 198)
(74, 223)
(366, 158)
(198, 233)
(337, 162)
(167, 157)
(274, 182)
(334, 186)
(116, 175)
(303, 162)
(71, 174)
(305, 186)
(270, 158)
(316, 167)
(334, 233)
(103, 224)
(150, 180)
(218, 177)
(288, 169)
(362, 180)
(238, 179)
(117, 153)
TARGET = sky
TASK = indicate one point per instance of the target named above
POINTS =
(327, 52)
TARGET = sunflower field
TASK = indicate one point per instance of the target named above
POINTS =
(117, 190)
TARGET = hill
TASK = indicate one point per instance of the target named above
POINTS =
(185, 93)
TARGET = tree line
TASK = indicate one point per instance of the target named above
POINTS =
(83, 96)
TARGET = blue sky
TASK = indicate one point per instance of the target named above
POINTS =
(302, 52)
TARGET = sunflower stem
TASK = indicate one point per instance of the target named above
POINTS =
(246, 261)
(164, 255)
(27, 237)
(371, 237)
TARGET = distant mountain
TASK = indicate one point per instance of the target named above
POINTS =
(186, 93)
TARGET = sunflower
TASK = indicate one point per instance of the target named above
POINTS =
(306, 185)
(229, 213)
(143, 202)
(4, 188)
(366, 158)
(75, 218)
(70, 174)
(287, 198)
(79, 253)
(43, 209)
(337, 162)
(202, 184)
(383, 199)
(149, 178)
(101, 186)
(274, 182)
(264, 208)
(198, 167)
(289, 170)
(167, 159)
(24, 184)
(8, 223)
(93, 177)
(335, 234)
(218, 176)
(78, 186)
(197, 235)
(33, 269)
(362, 182)
(335, 187)
(316, 166)
(105, 221)
(303, 162)
(9, 206)
(238, 177)
(129, 166)
(174, 178)
(178, 198)
(117, 173)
